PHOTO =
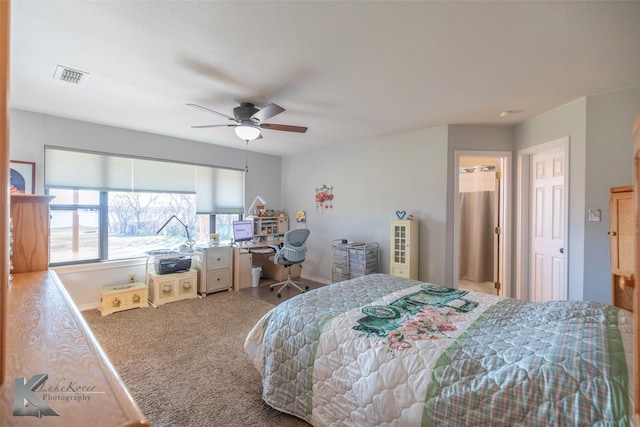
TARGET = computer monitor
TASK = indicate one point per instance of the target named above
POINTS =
(242, 231)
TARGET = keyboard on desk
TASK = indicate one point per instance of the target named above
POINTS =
(261, 250)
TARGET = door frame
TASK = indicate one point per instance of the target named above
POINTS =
(504, 273)
(523, 215)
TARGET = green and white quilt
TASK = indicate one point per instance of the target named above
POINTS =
(381, 350)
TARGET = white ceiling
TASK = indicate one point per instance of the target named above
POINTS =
(349, 71)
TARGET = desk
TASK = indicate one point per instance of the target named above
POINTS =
(244, 259)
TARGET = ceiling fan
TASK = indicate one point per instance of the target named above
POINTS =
(249, 120)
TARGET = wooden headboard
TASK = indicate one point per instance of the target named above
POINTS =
(636, 293)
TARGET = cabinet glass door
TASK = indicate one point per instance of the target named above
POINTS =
(400, 244)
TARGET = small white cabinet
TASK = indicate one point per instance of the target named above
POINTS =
(215, 269)
(404, 248)
(164, 288)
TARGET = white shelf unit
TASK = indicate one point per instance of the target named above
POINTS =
(269, 227)
(352, 260)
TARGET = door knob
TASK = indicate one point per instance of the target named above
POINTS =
(626, 282)
(561, 250)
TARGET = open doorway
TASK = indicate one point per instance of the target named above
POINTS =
(480, 230)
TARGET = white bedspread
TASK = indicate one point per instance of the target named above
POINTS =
(381, 350)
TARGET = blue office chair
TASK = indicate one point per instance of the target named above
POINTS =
(291, 252)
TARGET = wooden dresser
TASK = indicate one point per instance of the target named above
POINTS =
(621, 234)
(30, 232)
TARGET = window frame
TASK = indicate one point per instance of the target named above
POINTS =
(102, 209)
(103, 227)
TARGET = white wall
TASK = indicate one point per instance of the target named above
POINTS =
(83, 281)
(30, 132)
(567, 120)
(600, 151)
(610, 118)
(372, 180)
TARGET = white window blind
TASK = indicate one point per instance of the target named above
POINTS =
(91, 171)
(218, 190)
(169, 177)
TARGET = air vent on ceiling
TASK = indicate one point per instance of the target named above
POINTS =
(70, 75)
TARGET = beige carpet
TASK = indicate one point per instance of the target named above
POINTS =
(184, 362)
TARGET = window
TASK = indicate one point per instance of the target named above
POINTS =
(133, 220)
(96, 219)
(74, 226)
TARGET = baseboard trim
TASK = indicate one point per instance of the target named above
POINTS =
(86, 307)
(316, 279)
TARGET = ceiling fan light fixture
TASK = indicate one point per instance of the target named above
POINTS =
(247, 133)
(506, 113)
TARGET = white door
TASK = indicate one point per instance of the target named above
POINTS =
(547, 210)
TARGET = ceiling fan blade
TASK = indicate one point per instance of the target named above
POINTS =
(287, 128)
(211, 71)
(208, 110)
(268, 112)
(212, 126)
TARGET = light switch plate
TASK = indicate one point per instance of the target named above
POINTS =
(595, 215)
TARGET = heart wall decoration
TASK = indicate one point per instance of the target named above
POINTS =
(401, 214)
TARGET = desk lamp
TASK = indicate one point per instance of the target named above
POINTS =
(189, 243)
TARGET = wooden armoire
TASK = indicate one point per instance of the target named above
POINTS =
(30, 232)
(621, 233)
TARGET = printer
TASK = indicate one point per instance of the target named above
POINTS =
(168, 261)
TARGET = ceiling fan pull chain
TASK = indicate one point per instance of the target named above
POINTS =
(246, 158)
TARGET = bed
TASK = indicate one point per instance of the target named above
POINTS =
(384, 350)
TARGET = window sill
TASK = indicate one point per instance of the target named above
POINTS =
(94, 266)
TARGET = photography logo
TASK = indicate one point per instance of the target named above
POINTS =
(26, 402)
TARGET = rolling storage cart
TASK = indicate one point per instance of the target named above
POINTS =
(353, 260)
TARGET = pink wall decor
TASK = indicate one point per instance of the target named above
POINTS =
(324, 198)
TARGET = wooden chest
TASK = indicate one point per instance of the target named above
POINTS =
(164, 288)
(122, 297)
